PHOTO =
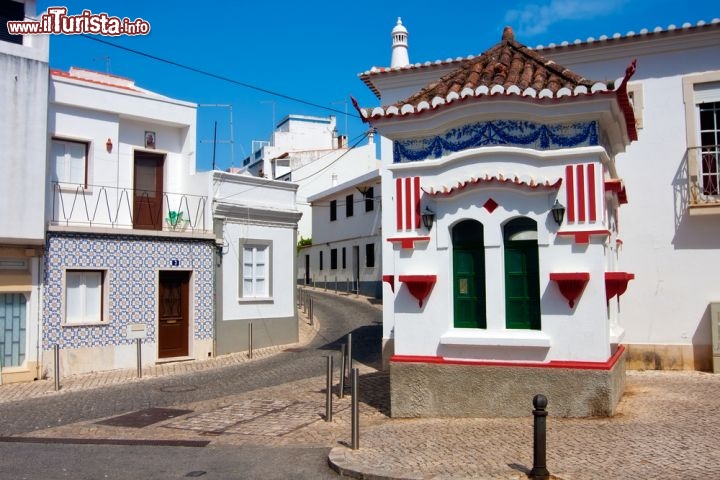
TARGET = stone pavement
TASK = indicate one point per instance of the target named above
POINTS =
(667, 426)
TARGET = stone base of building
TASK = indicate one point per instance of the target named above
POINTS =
(233, 335)
(28, 373)
(669, 357)
(434, 387)
(388, 350)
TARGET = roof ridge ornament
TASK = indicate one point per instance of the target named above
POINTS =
(508, 34)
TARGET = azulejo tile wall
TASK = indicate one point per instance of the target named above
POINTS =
(131, 264)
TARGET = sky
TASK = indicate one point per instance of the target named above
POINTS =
(283, 57)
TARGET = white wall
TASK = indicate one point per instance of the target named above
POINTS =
(671, 253)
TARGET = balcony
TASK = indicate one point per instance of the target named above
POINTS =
(104, 207)
(703, 173)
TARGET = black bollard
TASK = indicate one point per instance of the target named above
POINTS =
(539, 470)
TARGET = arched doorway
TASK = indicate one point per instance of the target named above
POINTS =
(522, 278)
(468, 275)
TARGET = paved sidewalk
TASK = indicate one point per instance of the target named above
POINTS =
(667, 426)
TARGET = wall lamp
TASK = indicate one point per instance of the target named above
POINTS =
(428, 217)
(558, 212)
(108, 145)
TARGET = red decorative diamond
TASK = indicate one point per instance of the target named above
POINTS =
(490, 205)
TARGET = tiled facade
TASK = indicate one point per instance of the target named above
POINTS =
(132, 264)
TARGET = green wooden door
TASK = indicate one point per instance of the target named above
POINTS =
(522, 280)
(469, 275)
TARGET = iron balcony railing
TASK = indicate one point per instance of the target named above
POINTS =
(704, 174)
(126, 208)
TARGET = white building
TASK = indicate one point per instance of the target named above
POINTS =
(670, 226)
(491, 296)
(129, 253)
(346, 250)
(23, 140)
(255, 224)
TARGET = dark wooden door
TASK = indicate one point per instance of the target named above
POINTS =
(173, 314)
(148, 191)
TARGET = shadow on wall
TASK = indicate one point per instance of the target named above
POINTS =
(695, 232)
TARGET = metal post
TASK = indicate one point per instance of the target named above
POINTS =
(336, 284)
(349, 354)
(355, 411)
(325, 283)
(56, 360)
(305, 303)
(138, 346)
(311, 310)
(328, 389)
(539, 470)
(341, 387)
(347, 287)
(250, 340)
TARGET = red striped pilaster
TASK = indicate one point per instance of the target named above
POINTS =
(570, 191)
(416, 192)
(591, 192)
(398, 202)
(408, 203)
(581, 192)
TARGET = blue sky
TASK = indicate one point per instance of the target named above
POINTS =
(314, 50)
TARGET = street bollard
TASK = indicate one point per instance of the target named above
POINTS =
(325, 283)
(138, 347)
(250, 340)
(335, 284)
(341, 387)
(539, 470)
(311, 310)
(328, 389)
(347, 287)
(355, 411)
(56, 360)
(349, 354)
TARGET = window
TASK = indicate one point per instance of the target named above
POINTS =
(370, 255)
(344, 263)
(84, 296)
(349, 206)
(10, 11)
(333, 259)
(522, 277)
(370, 199)
(70, 160)
(321, 262)
(333, 210)
(710, 147)
(701, 97)
(255, 281)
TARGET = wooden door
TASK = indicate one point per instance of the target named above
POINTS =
(148, 191)
(173, 314)
(468, 275)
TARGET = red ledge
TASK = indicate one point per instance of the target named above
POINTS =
(407, 242)
(617, 187)
(616, 283)
(582, 236)
(608, 365)
(571, 284)
(419, 285)
(391, 280)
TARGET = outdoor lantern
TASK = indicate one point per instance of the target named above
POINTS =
(558, 212)
(108, 145)
(427, 218)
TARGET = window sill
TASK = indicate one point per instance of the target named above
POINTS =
(496, 338)
(256, 300)
(86, 324)
(704, 209)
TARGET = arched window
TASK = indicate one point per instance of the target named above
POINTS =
(522, 277)
(468, 275)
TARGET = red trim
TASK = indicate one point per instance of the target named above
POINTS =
(407, 242)
(408, 204)
(419, 286)
(391, 280)
(622, 98)
(581, 192)
(618, 187)
(616, 283)
(60, 73)
(573, 365)
(500, 179)
(571, 284)
(398, 202)
(570, 191)
(591, 192)
(416, 192)
(582, 236)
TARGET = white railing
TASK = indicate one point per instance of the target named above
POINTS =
(112, 207)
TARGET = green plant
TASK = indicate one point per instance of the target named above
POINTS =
(174, 218)
(303, 242)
